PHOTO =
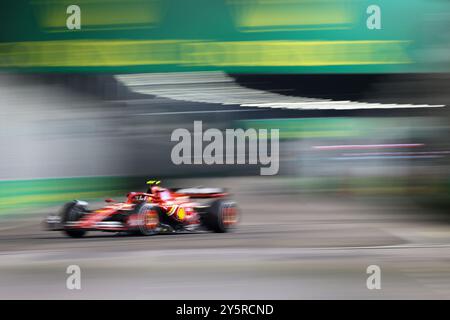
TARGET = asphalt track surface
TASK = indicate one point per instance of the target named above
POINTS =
(288, 246)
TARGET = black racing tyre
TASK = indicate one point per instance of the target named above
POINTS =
(73, 211)
(221, 216)
(149, 219)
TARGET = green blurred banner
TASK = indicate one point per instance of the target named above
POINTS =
(282, 36)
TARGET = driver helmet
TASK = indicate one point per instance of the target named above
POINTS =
(153, 186)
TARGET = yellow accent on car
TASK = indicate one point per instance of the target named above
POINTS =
(181, 213)
(172, 210)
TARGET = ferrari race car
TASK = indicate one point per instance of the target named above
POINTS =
(158, 210)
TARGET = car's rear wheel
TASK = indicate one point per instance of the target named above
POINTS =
(222, 216)
(72, 212)
(149, 220)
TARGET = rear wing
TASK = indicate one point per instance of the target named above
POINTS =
(200, 192)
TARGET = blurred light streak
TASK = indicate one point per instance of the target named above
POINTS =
(396, 153)
(219, 88)
(100, 14)
(369, 146)
(192, 53)
(282, 15)
(387, 157)
(193, 112)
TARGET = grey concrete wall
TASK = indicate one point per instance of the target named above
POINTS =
(48, 130)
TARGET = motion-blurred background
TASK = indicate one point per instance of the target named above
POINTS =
(361, 105)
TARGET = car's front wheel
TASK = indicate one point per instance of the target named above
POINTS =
(72, 212)
(149, 220)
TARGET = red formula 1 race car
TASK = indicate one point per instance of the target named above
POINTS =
(159, 210)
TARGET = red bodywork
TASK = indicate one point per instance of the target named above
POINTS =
(178, 206)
